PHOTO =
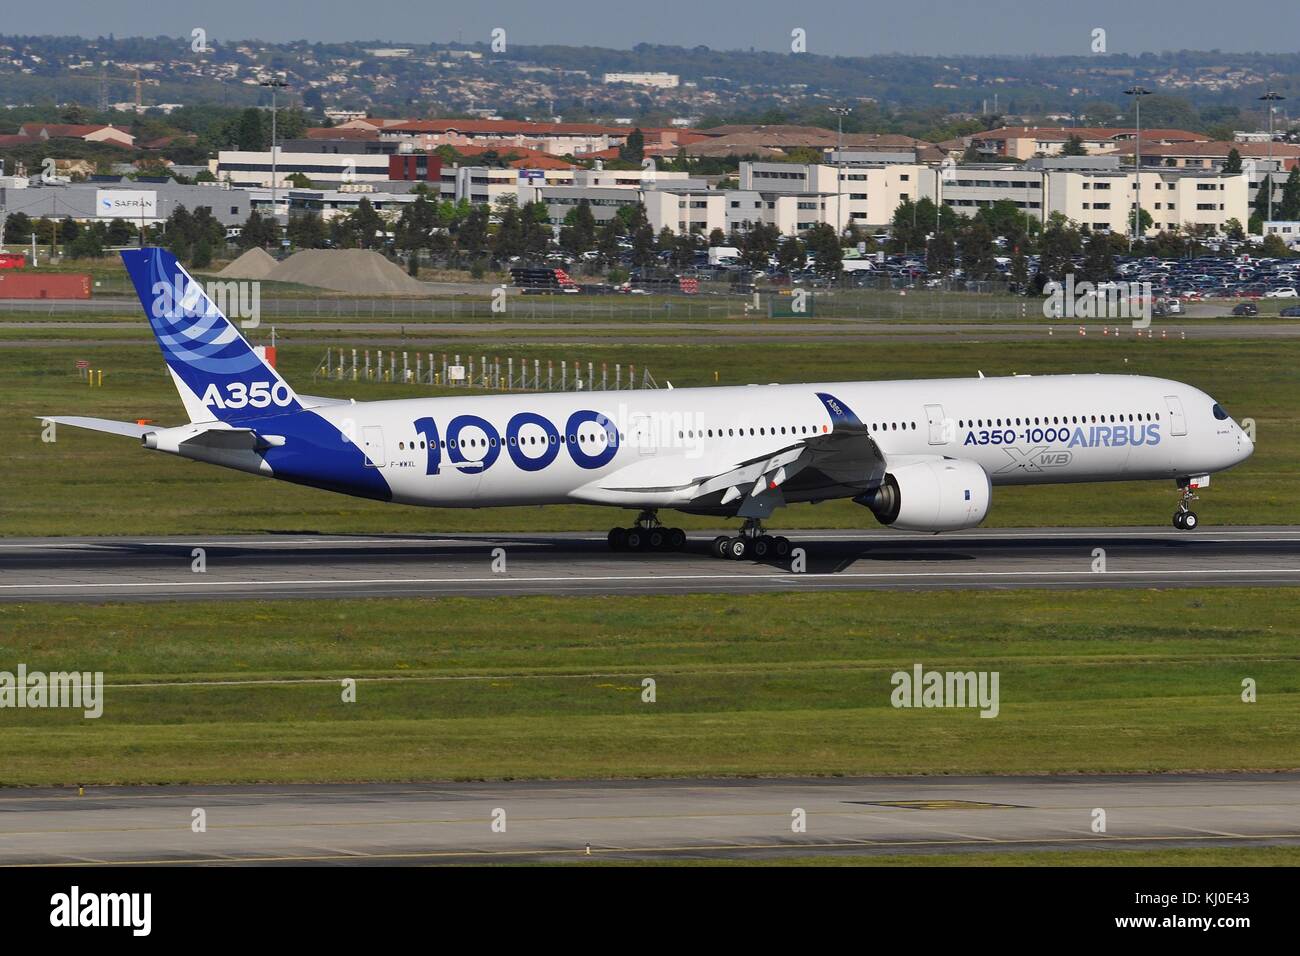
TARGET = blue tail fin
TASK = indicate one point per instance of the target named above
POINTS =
(216, 371)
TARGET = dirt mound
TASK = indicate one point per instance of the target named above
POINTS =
(256, 263)
(358, 271)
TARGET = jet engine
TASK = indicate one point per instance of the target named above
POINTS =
(932, 494)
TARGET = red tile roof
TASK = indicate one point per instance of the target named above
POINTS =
(506, 127)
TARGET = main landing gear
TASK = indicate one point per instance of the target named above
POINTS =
(647, 535)
(753, 543)
(1185, 518)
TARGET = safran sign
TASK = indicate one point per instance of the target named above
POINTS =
(126, 203)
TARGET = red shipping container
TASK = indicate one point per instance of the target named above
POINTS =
(47, 285)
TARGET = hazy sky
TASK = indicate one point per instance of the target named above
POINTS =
(836, 27)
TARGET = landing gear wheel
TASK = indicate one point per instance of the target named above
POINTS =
(1190, 521)
(762, 547)
(719, 546)
(781, 546)
(618, 539)
(738, 549)
(658, 539)
(676, 539)
(636, 539)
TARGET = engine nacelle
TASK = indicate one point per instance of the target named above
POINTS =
(935, 494)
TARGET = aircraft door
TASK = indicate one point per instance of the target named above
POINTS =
(941, 427)
(1177, 420)
(372, 443)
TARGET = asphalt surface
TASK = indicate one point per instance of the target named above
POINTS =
(642, 820)
(308, 566)
(404, 333)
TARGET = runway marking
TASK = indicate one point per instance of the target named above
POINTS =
(940, 805)
(545, 538)
(686, 848)
(646, 578)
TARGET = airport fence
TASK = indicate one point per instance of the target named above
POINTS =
(451, 371)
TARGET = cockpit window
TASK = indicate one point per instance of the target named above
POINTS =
(1219, 413)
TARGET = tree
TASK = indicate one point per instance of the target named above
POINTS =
(977, 259)
(1261, 197)
(18, 227)
(298, 181)
(607, 243)
(643, 245)
(1074, 146)
(535, 225)
(90, 243)
(633, 151)
(1289, 208)
(578, 235)
(368, 225)
(1274, 247)
(1020, 271)
(1098, 263)
(758, 245)
(202, 257)
(259, 230)
(249, 133)
(1060, 243)
(509, 239)
(717, 238)
(121, 232)
(472, 234)
(791, 255)
(940, 253)
(908, 230)
(307, 231)
(824, 247)
(1232, 165)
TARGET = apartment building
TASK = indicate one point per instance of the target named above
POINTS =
(865, 189)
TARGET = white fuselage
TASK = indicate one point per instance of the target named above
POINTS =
(1020, 430)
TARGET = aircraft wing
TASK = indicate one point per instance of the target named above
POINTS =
(843, 462)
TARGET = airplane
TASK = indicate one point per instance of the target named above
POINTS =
(920, 455)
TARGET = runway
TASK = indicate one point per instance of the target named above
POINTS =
(276, 566)
(642, 820)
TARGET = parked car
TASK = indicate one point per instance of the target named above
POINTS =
(1246, 308)
(1290, 312)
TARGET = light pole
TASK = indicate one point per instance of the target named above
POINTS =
(1270, 97)
(275, 83)
(840, 112)
(1137, 93)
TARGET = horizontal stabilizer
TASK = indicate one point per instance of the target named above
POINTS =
(129, 429)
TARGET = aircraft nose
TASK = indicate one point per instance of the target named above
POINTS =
(1245, 446)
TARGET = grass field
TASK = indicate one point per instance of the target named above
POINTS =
(552, 687)
(90, 484)
(1114, 856)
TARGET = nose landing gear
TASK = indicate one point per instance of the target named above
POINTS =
(1185, 518)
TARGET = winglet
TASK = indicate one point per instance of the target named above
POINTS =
(841, 414)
